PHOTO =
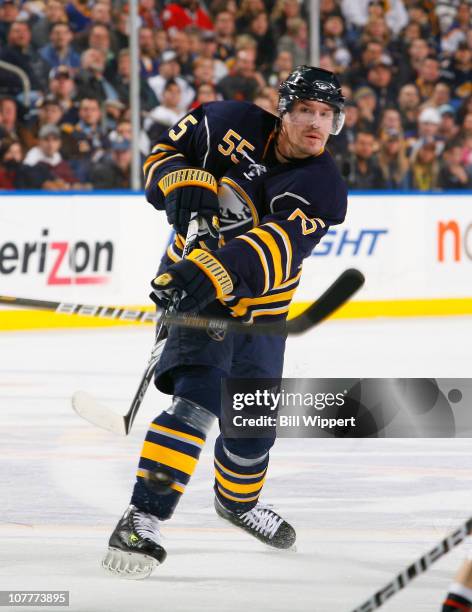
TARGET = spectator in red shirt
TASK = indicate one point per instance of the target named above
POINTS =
(184, 13)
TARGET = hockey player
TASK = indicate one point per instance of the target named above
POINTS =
(273, 190)
(459, 597)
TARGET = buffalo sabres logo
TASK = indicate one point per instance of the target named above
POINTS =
(216, 333)
(324, 86)
(255, 170)
(233, 209)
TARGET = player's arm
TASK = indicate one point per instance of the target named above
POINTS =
(254, 263)
(174, 177)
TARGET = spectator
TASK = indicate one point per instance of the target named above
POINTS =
(424, 168)
(8, 118)
(295, 40)
(49, 113)
(62, 87)
(54, 12)
(9, 12)
(147, 53)
(409, 102)
(88, 141)
(204, 72)
(366, 102)
(49, 170)
(428, 76)
(441, 95)
(122, 83)
(459, 71)
(19, 52)
(418, 51)
(334, 36)
(205, 93)
(167, 113)
(259, 29)
(282, 12)
(113, 172)
(241, 83)
(371, 54)
(364, 171)
(11, 161)
(452, 173)
(169, 68)
(209, 50)
(457, 33)
(248, 10)
(282, 67)
(180, 43)
(90, 80)
(356, 12)
(393, 160)
(225, 28)
(183, 13)
(78, 15)
(448, 128)
(161, 40)
(264, 101)
(59, 51)
(390, 122)
(428, 129)
(380, 79)
(149, 15)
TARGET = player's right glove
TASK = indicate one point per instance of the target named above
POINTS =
(198, 280)
(192, 190)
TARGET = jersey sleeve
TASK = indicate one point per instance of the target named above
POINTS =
(183, 146)
(270, 255)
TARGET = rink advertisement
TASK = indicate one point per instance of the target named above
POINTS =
(415, 251)
(346, 408)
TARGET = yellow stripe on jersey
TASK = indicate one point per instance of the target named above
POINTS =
(163, 147)
(242, 306)
(245, 197)
(168, 456)
(171, 254)
(269, 312)
(157, 164)
(239, 488)
(269, 241)
(290, 281)
(153, 158)
(262, 257)
(179, 434)
(287, 244)
(228, 471)
(238, 499)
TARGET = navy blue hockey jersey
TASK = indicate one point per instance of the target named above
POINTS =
(272, 214)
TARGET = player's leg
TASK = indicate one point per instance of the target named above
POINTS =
(459, 597)
(241, 463)
(171, 448)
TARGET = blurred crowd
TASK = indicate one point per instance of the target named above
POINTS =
(405, 66)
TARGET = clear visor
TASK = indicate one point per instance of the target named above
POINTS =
(305, 117)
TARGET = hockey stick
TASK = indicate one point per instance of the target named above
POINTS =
(415, 569)
(334, 297)
(339, 292)
(86, 406)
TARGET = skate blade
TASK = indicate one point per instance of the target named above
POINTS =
(130, 565)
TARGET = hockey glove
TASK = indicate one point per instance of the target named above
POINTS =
(199, 279)
(191, 190)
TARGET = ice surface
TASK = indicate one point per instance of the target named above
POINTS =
(363, 509)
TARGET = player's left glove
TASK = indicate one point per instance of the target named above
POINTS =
(192, 190)
(199, 279)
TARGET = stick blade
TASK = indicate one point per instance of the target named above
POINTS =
(92, 411)
(334, 297)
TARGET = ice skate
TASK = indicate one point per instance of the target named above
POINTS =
(134, 548)
(261, 522)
